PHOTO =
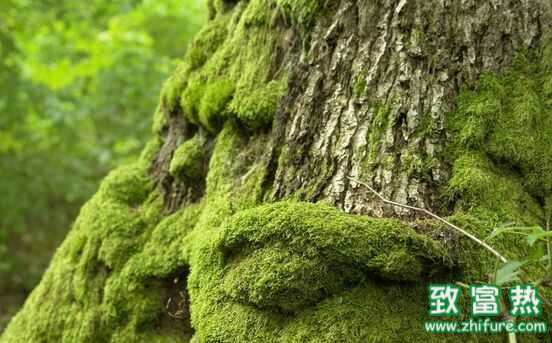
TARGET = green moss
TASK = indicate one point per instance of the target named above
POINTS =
(359, 86)
(258, 108)
(416, 42)
(372, 312)
(150, 150)
(487, 190)
(233, 77)
(482, 268)
(172, 88)
(212, 108)
(191, 98)
(301, 13)
(127, 184)
(208, 41)
(289, 271)
(187, 161)
(220, 177)
(220, 6)
(169, 234)
(362, 241)
(106, 282)
(310, 273)
(160, 121)
(274, 277)
(379, 125)
(503, 133)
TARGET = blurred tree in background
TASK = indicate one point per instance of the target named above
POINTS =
(78, 81)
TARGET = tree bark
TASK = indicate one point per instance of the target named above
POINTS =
(210, 236)
(412, 58)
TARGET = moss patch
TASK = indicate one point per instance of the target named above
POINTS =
(300, 272)
(491, 192)
(187, 161)
(111, 278)
(301, 13)
(289, 272)
(171, 92)
(291, 255)
(213, 104)
(232, 68)
(257, 109)
(208, 41)
(503, 135)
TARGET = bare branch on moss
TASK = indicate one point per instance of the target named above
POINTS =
(433, 215)
(548, 246)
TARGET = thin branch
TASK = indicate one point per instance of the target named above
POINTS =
(548, 245)
(463, 285)
(462, 231)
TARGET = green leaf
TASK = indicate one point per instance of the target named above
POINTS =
(513, 229)
(545, 258)
(537, 236)
(535, 253)
(508, 273)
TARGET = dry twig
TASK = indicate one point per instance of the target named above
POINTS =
(511, 336)
(433, 215)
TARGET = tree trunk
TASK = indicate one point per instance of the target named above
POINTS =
(371, 95)
(239, 222)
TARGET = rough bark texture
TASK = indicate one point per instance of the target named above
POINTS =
(372, 94)
(238, 222)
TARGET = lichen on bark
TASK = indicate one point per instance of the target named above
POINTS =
(238, 222)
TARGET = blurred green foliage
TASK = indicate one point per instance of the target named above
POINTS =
(78, 84)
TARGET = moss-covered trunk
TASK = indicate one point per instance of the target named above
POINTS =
(212, 234)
